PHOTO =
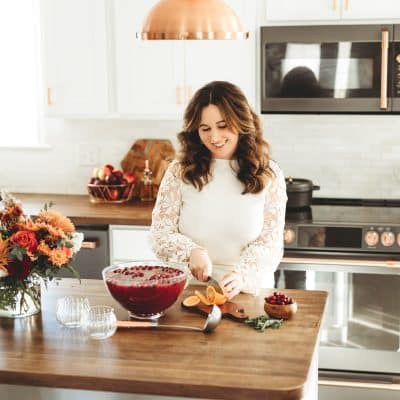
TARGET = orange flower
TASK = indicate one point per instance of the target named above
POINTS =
(43, 248)
(15, 210)
(57, 220)
(67, 251)
(29, 225)
(54, 233)
(4, 247)
(58, 257)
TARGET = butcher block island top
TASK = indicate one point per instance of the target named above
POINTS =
(82, 211)
(233, 362)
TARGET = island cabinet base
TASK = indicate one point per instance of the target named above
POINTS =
(18, 392)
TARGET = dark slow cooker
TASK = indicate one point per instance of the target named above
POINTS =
(299, 192)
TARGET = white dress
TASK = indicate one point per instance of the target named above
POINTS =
(242, 233)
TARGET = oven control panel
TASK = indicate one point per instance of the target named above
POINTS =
(366, 238)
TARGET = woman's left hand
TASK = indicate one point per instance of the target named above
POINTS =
(231, 284)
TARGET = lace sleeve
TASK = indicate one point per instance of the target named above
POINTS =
(167, 242)
(264, 254)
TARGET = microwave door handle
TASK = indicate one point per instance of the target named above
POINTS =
(384, 68)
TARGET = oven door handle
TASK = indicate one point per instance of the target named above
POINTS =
(344, 262)
(90, 244)
(384, 68)
(356, 380)
(340, 265)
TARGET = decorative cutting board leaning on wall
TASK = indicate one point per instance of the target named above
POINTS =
(159, 153)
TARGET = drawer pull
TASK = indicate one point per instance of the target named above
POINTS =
(88, 244)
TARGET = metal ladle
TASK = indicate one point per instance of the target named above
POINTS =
(213, 319)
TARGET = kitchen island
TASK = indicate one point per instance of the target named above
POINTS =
(42, 360)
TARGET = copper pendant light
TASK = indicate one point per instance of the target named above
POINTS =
(192, 20)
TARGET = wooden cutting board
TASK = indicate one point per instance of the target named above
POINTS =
(159, 152)
(229, 309)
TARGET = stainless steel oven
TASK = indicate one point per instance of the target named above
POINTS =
(353, 252)
(330, 69)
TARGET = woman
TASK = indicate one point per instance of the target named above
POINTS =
(221, 205)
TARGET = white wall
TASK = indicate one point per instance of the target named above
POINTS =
(348, 156)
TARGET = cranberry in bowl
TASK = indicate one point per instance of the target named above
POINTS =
(146, 288)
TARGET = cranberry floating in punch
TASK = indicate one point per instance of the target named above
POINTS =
(146, 288)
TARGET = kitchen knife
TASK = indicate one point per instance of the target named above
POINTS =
(213, 282)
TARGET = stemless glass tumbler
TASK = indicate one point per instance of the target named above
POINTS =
(101, 322)
(72, 311)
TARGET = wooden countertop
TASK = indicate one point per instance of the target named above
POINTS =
(82, 211)
(233, 362)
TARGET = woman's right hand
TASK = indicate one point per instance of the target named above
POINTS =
(200, 264)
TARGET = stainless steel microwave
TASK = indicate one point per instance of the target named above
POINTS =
(330, 69)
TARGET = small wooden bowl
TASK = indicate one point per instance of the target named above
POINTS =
(281, 311)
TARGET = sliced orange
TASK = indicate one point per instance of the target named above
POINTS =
(220, 299)
(214, 297)
(202, 298)
(191, 301)
(211, 292)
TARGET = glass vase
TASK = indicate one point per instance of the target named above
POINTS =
(26, 301)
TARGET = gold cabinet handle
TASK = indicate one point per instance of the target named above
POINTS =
(178, 95)
(384, 67)
(89, 244)
(49, 97)
(189, 93)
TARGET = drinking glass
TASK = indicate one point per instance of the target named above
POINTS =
(101, 322)
(72, 311)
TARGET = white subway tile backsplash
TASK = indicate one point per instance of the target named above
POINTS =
(347, 155)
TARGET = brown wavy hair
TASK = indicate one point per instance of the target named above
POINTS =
(252, 152)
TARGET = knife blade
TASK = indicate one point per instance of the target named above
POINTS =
(213, 282)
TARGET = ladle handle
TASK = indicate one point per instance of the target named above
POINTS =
(149, 324)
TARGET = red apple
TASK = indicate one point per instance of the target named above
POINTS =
(114, 194)
(130, 177)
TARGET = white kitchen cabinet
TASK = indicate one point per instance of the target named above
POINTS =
(130, 242)
(149, 74)
(95, 65)
(75, 56)
(371, 9)
(157, 78)
(295, 10)
(330, 10)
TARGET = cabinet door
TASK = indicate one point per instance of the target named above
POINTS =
(149, 74)
(302, 10)
(75, 53)
(371, 9)
(227, 60)
(130, 243)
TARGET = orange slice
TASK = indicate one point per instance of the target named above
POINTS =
(191, 301)
(220, 299)
(202, 298)
(214, 297)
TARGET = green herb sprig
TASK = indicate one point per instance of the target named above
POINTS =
(263, 322)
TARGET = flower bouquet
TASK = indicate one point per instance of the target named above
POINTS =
(31, 250)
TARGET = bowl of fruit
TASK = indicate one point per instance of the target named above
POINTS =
(110, 185)
(146, 288)
(279, 305)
